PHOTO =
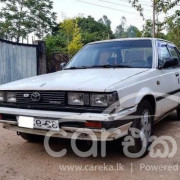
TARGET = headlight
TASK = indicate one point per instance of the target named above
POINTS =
(99, 100)
(92, 99)
(11, 97)
(2, 96)
(103, 100)
(76, 99)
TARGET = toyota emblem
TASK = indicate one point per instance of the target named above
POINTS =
(36, 97)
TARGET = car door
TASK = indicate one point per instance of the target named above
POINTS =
(169, 81)
(176, 54)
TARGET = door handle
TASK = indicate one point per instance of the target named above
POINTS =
(177, 74)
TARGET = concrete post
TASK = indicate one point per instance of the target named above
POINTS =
(41, 57)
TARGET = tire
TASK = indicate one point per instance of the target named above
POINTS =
(145, 126)
(178, 114)
(31, 137)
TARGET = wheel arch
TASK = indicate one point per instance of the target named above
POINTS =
(151, 99)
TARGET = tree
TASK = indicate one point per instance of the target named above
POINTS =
(73, 35)
(173, 28)
(44, 17)
(133, 32)
(92, 30)
(68, 28)
(19, 18)
(76, 43)
(104, 20)
(56, 44)
(160, 7)
(137, 5)
(13, 19)
(147, 29)
(121, 29)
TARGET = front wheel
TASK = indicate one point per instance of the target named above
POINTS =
(140, 131)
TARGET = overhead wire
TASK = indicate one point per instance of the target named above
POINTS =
(115, 9)
(118, 4)
(145, 4)
(98, 5)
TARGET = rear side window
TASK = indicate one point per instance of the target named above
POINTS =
(173, 52)
(177, 52)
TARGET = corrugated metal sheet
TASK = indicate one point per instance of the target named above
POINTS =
(17, 61)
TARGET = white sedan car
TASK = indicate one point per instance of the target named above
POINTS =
(110, 89)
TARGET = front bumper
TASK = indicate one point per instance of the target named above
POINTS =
(114, 125)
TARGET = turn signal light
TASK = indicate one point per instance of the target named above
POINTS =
(96, 125)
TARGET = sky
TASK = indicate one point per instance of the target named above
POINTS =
(71, 8)
(114, 9)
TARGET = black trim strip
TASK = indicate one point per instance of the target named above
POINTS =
(168, 94)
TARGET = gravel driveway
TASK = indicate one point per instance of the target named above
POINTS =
(20, 160)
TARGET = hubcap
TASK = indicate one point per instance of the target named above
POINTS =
(145, 127)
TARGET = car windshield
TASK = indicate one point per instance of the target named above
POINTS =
(118, 54)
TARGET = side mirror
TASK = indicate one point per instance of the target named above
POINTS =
(169, 62)
(62, 65)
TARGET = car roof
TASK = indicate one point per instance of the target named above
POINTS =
(129, 39)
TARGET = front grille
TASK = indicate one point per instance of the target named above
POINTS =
(50, 98)
(51, 101)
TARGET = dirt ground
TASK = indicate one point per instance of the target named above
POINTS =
(20, 160)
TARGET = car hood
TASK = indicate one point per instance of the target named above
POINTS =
(97, 80)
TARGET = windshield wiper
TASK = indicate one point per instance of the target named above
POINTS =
(103, 66)
(112, 66)
(73, 68)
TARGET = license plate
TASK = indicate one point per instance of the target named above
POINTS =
(26, 122)
(46, 124)
(34, 123)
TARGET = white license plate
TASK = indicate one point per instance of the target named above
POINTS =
(46, 124)
(26, 122)
(34, 123)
